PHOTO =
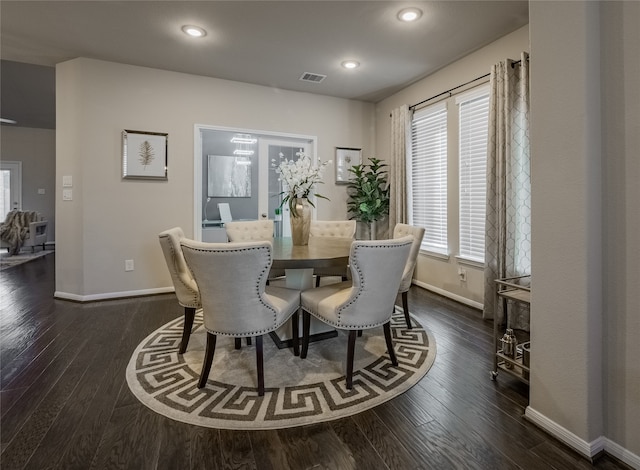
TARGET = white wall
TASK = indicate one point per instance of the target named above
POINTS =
(585, 379)
(438, 274)
(35, 148)
(621, 155)
(109, 219)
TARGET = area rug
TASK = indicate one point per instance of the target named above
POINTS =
(7, 261)
(297, 391)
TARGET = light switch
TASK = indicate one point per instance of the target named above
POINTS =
(41, 191)
(67, 181)
(67, 194)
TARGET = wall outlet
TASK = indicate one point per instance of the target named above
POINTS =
(41, 191)
(462, 274)
(128, 265)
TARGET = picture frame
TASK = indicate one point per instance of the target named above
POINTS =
(346, 157)
(144, 155)
(228, 176)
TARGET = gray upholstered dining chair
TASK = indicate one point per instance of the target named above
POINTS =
(399, 231)
(364, 302)
(249, 230)
(183, 283)
(331, 229)
(253, 230)
(236, 301)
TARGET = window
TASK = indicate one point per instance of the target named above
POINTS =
(473, 129)
(428, 176)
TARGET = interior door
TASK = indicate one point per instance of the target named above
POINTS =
(270, 188)
(10, 187)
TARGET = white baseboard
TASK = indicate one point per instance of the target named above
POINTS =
(111, 295)
(622, 454)
(587, 449)
(444, 293)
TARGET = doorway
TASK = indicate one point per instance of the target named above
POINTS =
(277, 150)
(10, 187)
(259, 150)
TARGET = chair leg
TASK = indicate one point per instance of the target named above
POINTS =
(238, 343)
(387, 338)
(350, 353)
(248, 340)
(306, 322)
(189, 314)
(359, 333)
(260, 365)
(295, 333)
(208, 359)
(405, 306)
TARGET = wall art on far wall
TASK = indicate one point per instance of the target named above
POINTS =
(345, 159)
(144, 155)
(229, 176)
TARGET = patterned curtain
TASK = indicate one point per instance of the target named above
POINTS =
(508, 223)
(400, 135)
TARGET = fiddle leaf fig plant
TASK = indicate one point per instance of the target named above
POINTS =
(368, 192)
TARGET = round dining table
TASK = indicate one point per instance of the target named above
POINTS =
(319, 253)
(298, 261)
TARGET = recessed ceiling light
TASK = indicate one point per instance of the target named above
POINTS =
(194, 31)
(409, 14)
(351, 64)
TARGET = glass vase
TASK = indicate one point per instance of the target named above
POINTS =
(300, 222)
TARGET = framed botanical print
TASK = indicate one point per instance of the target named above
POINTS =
(144, 155)
(345, 159)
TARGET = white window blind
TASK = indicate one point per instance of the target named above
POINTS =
(474, 121)
(429, 176)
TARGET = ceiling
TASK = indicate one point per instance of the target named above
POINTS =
(270, 43)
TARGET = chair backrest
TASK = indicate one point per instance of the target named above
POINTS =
(402, 230)
(333, 228)
(232, 279)
(225, 212)
(249, 230)
(184, 284)
(376, 270)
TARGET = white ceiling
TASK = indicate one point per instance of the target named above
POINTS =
(269, 43)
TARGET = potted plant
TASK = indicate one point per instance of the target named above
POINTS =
(368, 192)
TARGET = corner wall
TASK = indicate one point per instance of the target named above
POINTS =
(585, 100)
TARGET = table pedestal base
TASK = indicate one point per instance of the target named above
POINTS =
(301, 279)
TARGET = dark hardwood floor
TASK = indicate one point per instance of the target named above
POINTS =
(65, 403)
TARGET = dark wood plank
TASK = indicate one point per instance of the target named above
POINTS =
(205, 449)
(235, 448)
(315, 446)
(115, 447)
(385, 446)
(268, 450)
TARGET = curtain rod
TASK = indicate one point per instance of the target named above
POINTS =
(413, 106)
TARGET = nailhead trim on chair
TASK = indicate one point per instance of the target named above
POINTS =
(339, 324)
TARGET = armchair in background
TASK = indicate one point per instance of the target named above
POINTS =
(23, 229)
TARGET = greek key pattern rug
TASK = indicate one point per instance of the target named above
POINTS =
(297, 391)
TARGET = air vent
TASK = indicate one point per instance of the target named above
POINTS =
(312, 77)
